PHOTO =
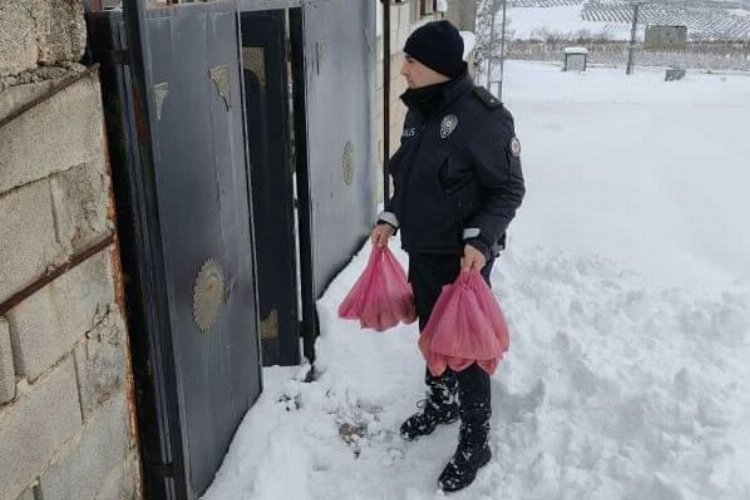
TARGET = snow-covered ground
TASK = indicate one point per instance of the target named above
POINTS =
(626, 289)
(651, 174)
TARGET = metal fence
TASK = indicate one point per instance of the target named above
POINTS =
(715, 56)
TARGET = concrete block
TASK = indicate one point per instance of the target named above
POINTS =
(80, 201)
(394, 147)
(393, 29)
(45, 327)
(40, 32)
(14, 97)
(80, 469)
(7, 371)
(122, 483)
(18, 46)
(100, 363)
(400, 27)
(42, 418)
(64, 131)
(27, 236)
(398, 87)
(28, 494)
(404, 29)
(60, 31)
(397, 127)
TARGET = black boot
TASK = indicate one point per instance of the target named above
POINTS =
(440, 407)
(472, 453)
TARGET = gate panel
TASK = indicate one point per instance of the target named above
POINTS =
(339, 64)
(207, 334)
(267, 109)
(203, 207)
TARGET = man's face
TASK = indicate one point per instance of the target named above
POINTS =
(418, 75)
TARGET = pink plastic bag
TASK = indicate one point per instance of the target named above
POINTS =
(466, 326)
(382, 296)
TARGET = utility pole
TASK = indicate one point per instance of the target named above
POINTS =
(502, 55)
(493, 43)
(631, 48)
(493, 13)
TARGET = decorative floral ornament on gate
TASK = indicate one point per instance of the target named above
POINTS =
(220, 76)
(208, 294)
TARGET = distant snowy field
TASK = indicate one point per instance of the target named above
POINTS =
(611, 19)
(627, 289)
(563, 21)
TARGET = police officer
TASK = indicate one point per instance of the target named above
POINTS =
(457, 184)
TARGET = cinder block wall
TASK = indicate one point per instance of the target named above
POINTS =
(66, 430)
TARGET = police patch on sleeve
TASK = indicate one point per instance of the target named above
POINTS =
(515, 147)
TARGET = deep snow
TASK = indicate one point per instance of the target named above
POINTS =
(626, 290)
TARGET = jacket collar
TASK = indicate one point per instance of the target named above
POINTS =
(457, 89)
(433, 100)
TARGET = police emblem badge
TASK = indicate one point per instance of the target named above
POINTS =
(448, 125)
(515, 147)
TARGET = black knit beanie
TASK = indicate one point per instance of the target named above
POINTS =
(439, 46)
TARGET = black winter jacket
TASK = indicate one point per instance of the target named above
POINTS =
(457, 174)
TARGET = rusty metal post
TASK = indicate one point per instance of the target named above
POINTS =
(386, 101)
(163, 461)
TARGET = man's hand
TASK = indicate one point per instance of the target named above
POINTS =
(380, 234)
(472, 259)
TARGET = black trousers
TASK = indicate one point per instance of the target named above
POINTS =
(428, 273)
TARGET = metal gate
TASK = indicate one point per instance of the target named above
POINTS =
(332, 60)
(185, 225)
(339, 65)
(181, 173)
(264, 61)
